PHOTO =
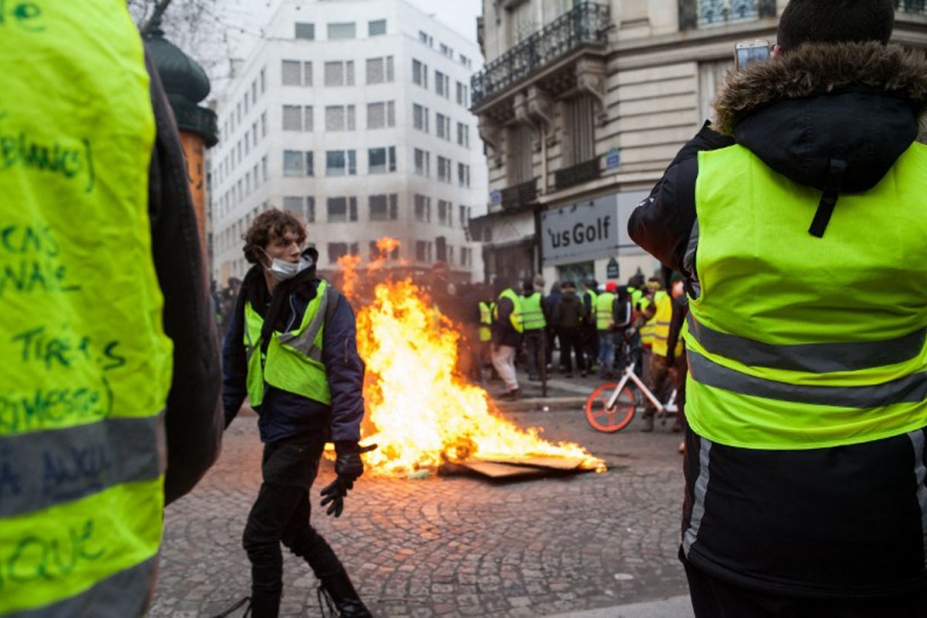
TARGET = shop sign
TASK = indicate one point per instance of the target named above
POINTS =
(586, 230)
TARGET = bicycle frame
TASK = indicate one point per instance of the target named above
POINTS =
(629, 374)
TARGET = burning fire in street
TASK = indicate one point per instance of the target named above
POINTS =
(423, 414)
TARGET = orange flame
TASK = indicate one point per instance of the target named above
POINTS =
(422, 411)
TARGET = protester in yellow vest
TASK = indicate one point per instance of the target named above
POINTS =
(613, 314)
(109, 341)
(534, 325)
(658, 378)
(291, 348)
(506, 336)
(800, 226)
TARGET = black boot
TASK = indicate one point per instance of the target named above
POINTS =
(344, 596)
(265, 606)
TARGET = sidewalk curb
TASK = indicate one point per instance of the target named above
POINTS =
(675, 607)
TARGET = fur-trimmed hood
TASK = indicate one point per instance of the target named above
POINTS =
(857, 102)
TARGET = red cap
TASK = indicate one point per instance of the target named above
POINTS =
(611, 286)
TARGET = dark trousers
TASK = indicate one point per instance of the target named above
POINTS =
(281, 515)
(570, 342)
(590, 342)
(714, 598)
(657, 381)
(533, 343)
(549, 348)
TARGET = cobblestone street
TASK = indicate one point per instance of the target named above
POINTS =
(452, 546)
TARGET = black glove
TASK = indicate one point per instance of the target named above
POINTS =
(348, 467)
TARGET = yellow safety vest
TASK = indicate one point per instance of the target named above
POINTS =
(592, 305)
(604, 310)
(515, 318)
(532, 315)
(661, 321)
(293, 361)
(818, 346)
(650, 325)
(486, 321)
(86, 364)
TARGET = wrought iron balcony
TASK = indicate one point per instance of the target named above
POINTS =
(911, 6)
(577, 174)
(695, 14)
(585, 24)
(519, 195)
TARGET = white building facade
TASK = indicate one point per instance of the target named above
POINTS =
(353, 114)
(582, 106)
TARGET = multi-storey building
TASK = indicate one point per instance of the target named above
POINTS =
(355, 115)
(583, 104)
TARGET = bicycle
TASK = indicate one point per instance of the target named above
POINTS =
(611, 407)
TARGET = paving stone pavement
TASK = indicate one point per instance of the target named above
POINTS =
(451, 546)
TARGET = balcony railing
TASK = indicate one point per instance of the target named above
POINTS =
(519, 195)
(706, 13)
(577, 174)
(911, 6)
(585, 24)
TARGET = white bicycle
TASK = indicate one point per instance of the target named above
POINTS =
(611, 407)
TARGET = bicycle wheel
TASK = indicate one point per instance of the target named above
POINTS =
(613, 419)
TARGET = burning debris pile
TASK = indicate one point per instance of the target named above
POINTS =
(421, 413)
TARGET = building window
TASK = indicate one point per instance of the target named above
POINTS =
(420, 117)
(423, 251)
(445, 213)
(264, 167)
(336, 251)
(342, 209)
(305, 31)
(464, 61)
(462, 94)
(263, 79)
(339, 118)
(442, 85)
(340, 31)
(463, 135)
(446, 51)
(298, 163)
(310, 209)
(580, 130)
(292, 118)
(520, 153)
(257, 178)
(296, 73)
(420, 74)
(466, 256)
(422, 208)
(381, 115)
(425, 38)
(381, 160)
(339, 73)
(443, 126)
(380, 70)
(463, 175)
(444, 169)
(464, 216)
(384, 207)
(340, 163)
(263, 124)
(422, 162)
(253, 92)
(376, 28)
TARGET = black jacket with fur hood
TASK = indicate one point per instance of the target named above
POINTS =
(847, 522)
(859, 103)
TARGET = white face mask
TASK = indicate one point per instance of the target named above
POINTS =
(282, 270)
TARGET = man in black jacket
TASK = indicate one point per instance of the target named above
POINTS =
(805, 453)
(291, 348)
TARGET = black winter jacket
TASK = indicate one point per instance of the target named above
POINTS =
(843, 522)
(193, 418)
(284, 414)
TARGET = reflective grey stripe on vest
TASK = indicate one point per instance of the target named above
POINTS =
(688, 261)
(920, 476)
(305, 342)
(123, 595)
(700, 490)
(808, 357)
(44, 468)
(909, 389)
